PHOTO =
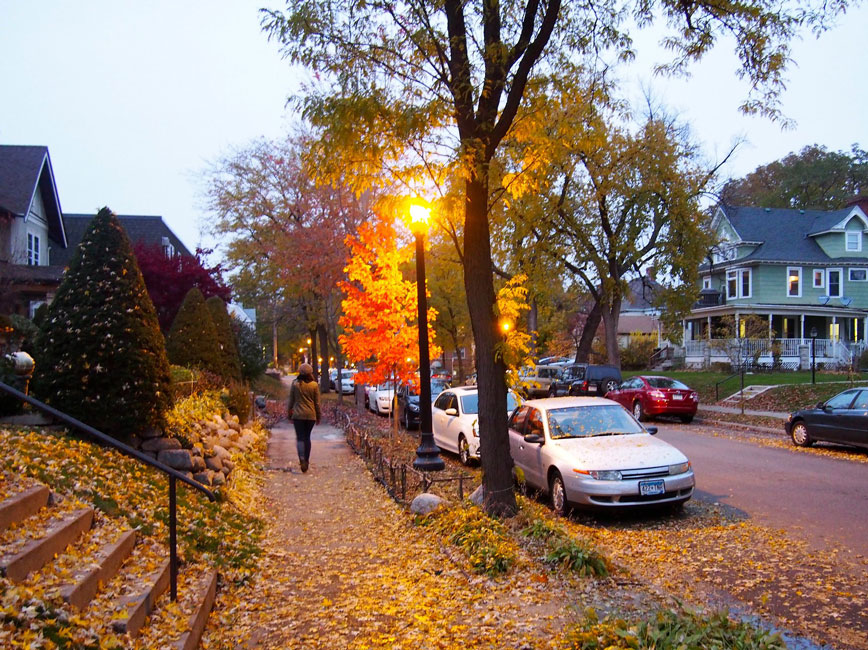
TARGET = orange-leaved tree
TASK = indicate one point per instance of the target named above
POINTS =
(381, 306)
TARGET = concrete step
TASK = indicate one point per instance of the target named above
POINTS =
(204, 603)
(22, 505)
(84, 585)
(36, 553)
(138, 606)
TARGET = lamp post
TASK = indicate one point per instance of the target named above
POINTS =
(813, 355)
(427, 454)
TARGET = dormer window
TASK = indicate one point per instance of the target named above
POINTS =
(32, 249)
(168, 249)
(854, 241)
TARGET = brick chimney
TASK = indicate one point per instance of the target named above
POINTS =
(861, 201)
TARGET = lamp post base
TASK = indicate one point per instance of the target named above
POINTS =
(428, 455)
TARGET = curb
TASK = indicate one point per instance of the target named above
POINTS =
(739, 425)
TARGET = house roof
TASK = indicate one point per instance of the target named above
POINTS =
(640, 294)
(24, 170)
(785, 235)
(146, 229)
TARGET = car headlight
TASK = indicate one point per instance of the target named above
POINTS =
(413, 407)
(601, 474)
(680, 468)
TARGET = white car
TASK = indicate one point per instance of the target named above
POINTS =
(348, 382)
(381, 397)
(592, 452)
(454, 420)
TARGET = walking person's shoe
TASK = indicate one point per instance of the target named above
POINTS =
(304, 465)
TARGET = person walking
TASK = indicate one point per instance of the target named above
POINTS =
(304, 411)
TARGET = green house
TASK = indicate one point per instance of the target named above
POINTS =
(804, 271)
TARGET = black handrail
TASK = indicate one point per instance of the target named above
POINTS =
(173, 474)
(723, 381)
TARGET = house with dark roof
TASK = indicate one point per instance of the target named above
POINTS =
(32, 232)
(639, 315)
(804, 271)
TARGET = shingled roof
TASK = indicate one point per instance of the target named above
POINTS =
(139, 228)
(24, 170)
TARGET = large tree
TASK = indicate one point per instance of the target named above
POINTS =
(812, 179)
(402, 88)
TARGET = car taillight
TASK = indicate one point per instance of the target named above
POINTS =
(694, 396)
(657, 394)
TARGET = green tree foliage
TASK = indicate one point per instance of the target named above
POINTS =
(813, 179)
(100, 354)
(230, 363)
(192, 340)
(253, 361)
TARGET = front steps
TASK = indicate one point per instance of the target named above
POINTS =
(749, 393)
(78, 560)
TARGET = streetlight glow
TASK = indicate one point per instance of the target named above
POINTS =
(506, 326)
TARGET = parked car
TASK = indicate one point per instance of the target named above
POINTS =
(380, 399)
(648, 396)
(535, 382)
(561, 384)
(408, 401)
(591, 452)
(454, 417)
(597, 381)
(348, 382)
(842, 419)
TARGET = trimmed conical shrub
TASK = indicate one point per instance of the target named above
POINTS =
(225, 338)
(100, 356)
(192, 339)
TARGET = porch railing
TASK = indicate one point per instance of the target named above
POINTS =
(173, 474)
(764, 349)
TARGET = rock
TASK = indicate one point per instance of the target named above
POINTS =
(203, 477)
(214, 463)
(228, 465)
(198, 463)
(218, 479)
(196, 450)
(425, 503)
(478, 496)
(180, 459)
(159, 444)
(151, 432)
(221, 452)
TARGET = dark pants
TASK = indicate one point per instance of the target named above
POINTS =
(302, 437)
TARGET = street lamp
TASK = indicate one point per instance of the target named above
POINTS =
(813, 355)
(427, 454)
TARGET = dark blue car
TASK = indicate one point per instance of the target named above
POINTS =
(842, 419)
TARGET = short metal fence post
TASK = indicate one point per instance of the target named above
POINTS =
(173, 540)
(403, 482)
(461, 488)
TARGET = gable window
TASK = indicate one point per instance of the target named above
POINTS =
(32, 249)
(738, 283)
(833, 283)
(858, 275)
(854, 240)
(706, 282)
(794, 281)
(819, 279)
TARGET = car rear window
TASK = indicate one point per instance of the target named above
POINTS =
(470, 402)
(665, 382)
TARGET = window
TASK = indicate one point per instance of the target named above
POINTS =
(731, 284)
(833, 283)
(518, 417)
(819, 279)
(706, 282)
(745, 283)
(858, 275)
(738, 283)
(794, 281)
(32, 249)
(842, 400)
(854, 240)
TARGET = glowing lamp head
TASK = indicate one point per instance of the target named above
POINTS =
(505, 326)
(419, 216)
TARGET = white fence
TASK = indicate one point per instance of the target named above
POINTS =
(761, 352)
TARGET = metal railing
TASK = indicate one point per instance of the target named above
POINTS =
(173, 474)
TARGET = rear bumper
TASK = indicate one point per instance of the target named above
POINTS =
(669, 408)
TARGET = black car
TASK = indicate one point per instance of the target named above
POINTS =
(408, 402)
(842, 419)
(597, 380)
(560, 386)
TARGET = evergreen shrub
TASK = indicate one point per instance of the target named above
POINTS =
(231, 364)
(100, 356)
(253, 362)
(236, 398)
(192, 339)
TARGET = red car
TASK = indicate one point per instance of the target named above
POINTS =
(647, 396)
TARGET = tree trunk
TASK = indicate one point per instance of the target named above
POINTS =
(274, 337)
(313, 352)
(611, 314)
(479, 284)
(532, 321)
(583, 352)
(460, 358)
(324, 384)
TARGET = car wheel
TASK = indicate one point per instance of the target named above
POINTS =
(558, 495)
(552, 392)
(687, 419)
(608, 385)
(463, 450)
(638, 411)
(406, 420)
(800, 435)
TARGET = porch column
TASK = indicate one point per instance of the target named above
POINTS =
(802, 335)
(737, 325)
(865, 329)
(835, 329)
(708, 328)
(770, 326)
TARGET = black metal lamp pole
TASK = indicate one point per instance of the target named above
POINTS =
(813, 355)
(427, 454)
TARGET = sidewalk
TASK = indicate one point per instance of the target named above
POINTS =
(346, 568)
(737, 410)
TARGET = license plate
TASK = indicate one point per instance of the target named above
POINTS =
(677, 397)
(592, 388)
(651, 487)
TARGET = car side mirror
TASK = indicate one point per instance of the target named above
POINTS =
(651, 430)
(451, 411)
(534, 438)
(821, 405)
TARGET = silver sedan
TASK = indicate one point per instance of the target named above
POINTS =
(591, 452)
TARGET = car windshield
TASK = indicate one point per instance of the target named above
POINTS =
(470, 402)
(665, 382)
(590, 421)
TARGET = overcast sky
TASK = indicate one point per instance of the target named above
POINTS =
(133, 99)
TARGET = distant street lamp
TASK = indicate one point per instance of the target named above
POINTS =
(813, 355)
(428, 454)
